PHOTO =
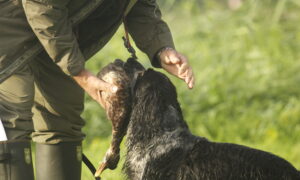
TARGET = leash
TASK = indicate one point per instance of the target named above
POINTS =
(132, 51)
(91, 167)
(126, 40)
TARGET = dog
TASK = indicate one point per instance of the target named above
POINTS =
(160, 145)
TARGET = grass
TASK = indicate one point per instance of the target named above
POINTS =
(246, 64)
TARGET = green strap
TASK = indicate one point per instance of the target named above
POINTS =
(130, 5)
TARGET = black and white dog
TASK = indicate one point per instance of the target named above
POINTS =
(161, 147)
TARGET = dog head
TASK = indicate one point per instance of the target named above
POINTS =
(133, 80)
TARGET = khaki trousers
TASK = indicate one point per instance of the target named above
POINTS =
(42, 103)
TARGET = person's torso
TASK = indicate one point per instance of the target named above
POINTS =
(97, 29)
(16, 36)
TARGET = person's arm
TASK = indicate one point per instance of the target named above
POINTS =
(93, 85)
(152, 35)
(177, 64)
(50, 22)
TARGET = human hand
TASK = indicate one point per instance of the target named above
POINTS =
(177, 64)
(94, 86)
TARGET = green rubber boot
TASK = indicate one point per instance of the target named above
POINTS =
(58, 161)
(15, 161)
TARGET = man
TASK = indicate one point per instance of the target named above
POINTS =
(52, 82)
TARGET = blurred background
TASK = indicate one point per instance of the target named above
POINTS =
(246, 59)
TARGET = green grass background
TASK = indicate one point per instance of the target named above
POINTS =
(247, 69)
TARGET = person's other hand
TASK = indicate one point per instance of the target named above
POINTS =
(177, 65)
(94, 86)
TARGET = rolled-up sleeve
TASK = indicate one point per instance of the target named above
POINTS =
(148, 30)
(50, 22)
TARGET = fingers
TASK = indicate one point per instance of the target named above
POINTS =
(94, 86)
(170, 56)
(104, 86)
(174, 59)
(191, 83)
(178, 65)
(190, 79)
(185, 72)
(183, 68)
(100, 100)
(188, 76)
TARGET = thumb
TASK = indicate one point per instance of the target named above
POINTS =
(104, 86)
(173, 58)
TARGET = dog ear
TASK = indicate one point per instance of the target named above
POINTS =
(171, 119)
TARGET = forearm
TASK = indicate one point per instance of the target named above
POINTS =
(83, 78)
(93, 85)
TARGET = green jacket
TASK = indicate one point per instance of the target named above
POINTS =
(71, 31)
